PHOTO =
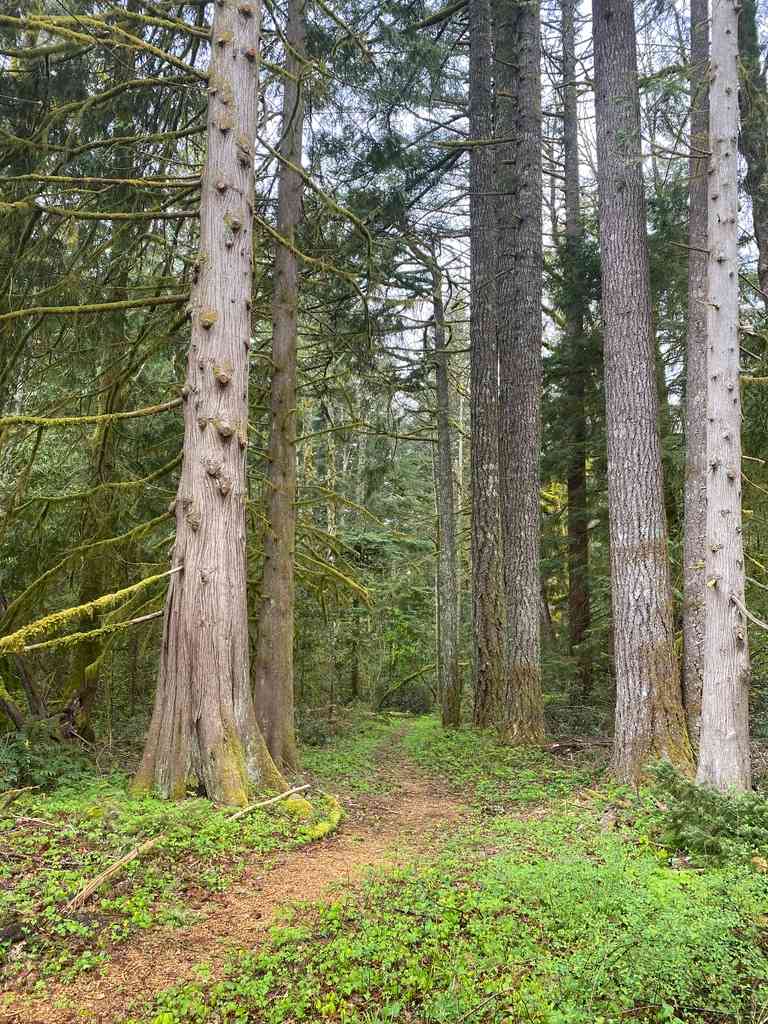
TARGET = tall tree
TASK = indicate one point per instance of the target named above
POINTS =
(753, 137)
(519, 265)
(204, 730)
(579, 612)
(487, 593)
(724, 759)
(273, 673)
(694, 529)
(649, 712)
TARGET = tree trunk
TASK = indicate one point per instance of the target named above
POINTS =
(724, 744)
(519, 264)
(273, 673)
(448, 672)
(579, 612)
(487, 593)
(82, 685)
(753, 138)
(204, 732)
(694, 534)
(649, 714)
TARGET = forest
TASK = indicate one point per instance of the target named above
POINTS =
(384, 511)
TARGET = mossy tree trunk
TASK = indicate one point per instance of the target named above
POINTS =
(724, 757)
(519, 267)
(273, 670)
(649, 713)
(204, 732)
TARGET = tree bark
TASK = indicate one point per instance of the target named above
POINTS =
(579, 609)
(204, 732)
(487, 592)
(753, 138)
(724, 760)
(649, 714)
(694, 529)
(273, 672)
(519, 264)
(448, 672)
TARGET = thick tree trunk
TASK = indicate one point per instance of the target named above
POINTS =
(519, 263)
(487, 592)
(649, 714)
(694, 534)
(273, 670)
(204, 732)
(448, 672)
(579, 611)
(753, 138)
(724, 743)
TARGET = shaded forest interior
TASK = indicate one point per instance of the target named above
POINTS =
(384, 387)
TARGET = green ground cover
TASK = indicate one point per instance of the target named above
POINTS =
(565, 907)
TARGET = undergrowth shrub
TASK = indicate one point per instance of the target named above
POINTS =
(710, 826)
(33, 758)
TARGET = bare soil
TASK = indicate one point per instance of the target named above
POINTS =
(378, 830)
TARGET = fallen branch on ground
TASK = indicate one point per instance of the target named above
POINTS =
(87, 891)
(272, 800)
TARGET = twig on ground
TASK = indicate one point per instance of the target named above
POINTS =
(7, 798)
(266, 803)
(87, 891)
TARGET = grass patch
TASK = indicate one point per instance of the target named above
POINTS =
(54, 844)
(493, 774)
(552, 921)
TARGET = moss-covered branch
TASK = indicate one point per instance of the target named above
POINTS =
(112, 485)
(96, 307)
(92, 547)
(18, 641)
(76, 421)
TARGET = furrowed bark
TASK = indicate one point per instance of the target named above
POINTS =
(487, 585)
(273, 670)
(519, 262)
(649, 714)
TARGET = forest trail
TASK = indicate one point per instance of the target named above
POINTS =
(378, 829)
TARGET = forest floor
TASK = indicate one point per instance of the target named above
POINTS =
(467, 882)
(391, 816)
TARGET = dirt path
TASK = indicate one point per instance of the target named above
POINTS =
(378, 830)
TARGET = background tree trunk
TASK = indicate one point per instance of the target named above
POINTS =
(649, 713)
(694, 527)
(724, 760)
(579, 615)
(753, 138)
(273, 672)
(448, 672)
(519, 263)
(204, 731)
(487, 593)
